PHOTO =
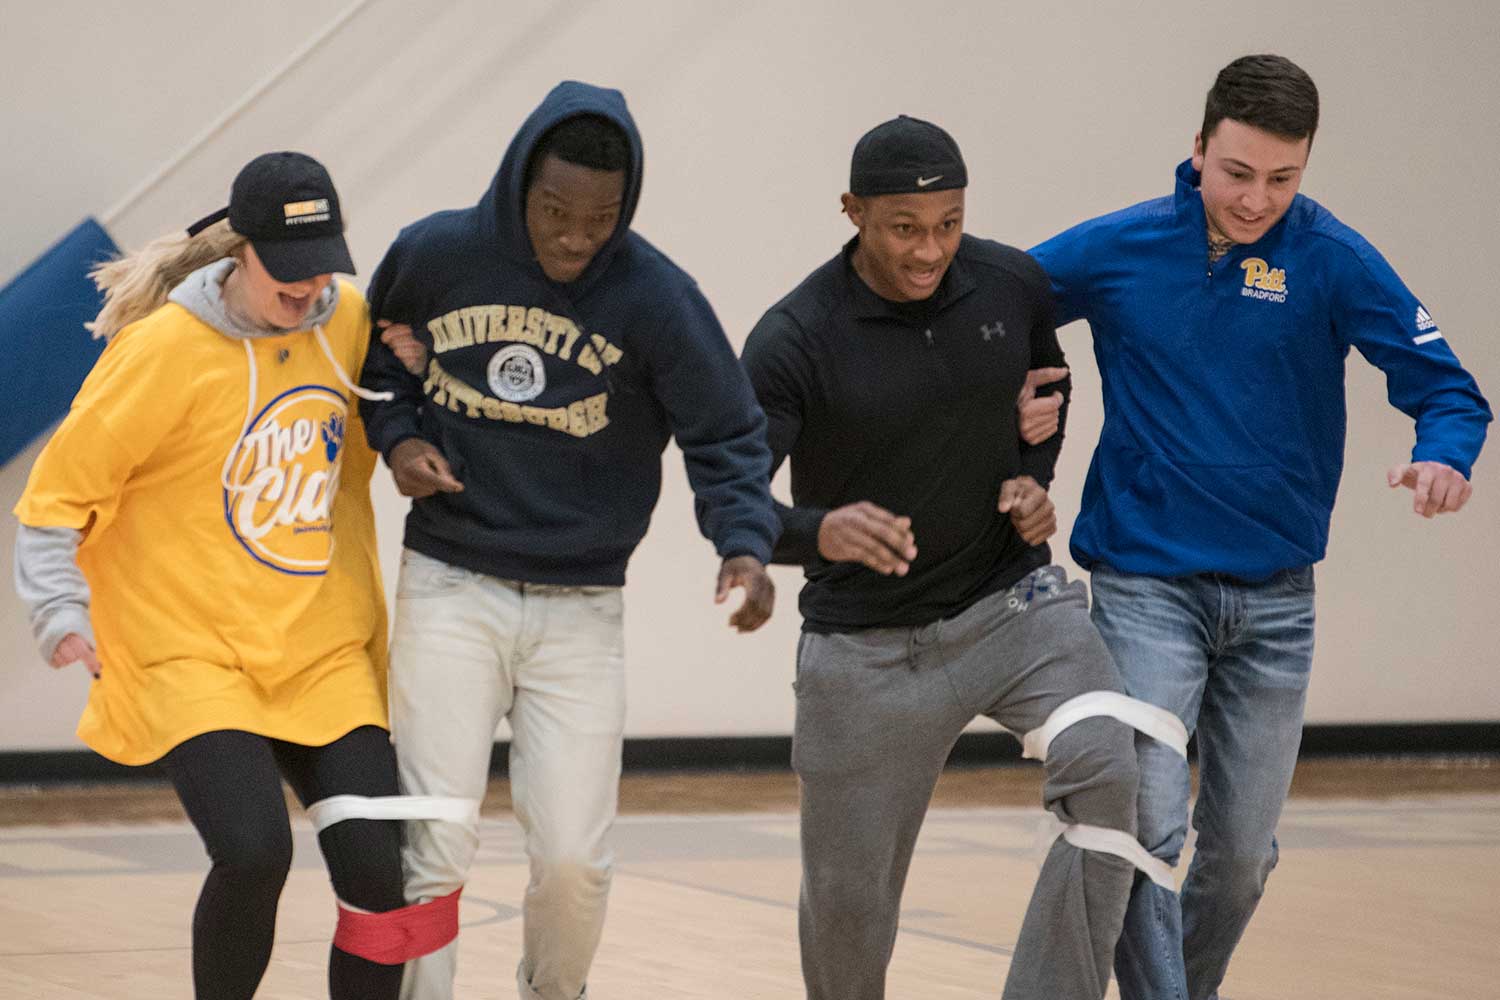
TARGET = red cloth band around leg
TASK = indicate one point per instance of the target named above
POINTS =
(398, 936)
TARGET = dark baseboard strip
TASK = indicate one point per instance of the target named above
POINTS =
(1408, 739)
(1420, 739)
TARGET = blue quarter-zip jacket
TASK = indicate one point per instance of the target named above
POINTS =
(553, 402)
(1224, 414)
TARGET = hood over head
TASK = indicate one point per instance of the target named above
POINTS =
(502, 209)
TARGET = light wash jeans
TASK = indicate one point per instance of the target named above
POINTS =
(1231, 659)
(468, 650)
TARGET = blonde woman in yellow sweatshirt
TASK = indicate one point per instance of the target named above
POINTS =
(198, 534)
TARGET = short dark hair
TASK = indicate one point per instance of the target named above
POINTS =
(588, 140)
(1267, 92)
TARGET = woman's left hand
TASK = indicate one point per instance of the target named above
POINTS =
(73, 648)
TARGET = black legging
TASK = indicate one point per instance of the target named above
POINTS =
(230, 784)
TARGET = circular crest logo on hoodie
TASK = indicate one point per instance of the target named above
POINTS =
(282, 476)
(516, 373)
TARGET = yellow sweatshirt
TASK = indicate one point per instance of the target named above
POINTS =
(226, 594)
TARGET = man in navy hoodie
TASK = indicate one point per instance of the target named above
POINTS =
(1222, 318)
(560, 352)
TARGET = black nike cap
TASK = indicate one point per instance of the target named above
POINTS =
(285, 204)
(906, 156)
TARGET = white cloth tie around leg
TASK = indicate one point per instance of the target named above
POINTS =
(1121, 845)
(1158, 723)
(337, 808)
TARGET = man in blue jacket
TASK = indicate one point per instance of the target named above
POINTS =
(1222, 317)
(558, 353)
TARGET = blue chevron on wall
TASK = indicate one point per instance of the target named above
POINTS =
(45, 352)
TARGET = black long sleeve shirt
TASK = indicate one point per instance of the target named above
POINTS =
(911, 406)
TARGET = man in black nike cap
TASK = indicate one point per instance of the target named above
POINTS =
(921, 521)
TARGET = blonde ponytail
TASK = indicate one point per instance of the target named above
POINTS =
(138, 283)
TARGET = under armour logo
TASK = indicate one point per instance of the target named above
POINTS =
(995, 329)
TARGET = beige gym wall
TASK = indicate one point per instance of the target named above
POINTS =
(749, 111)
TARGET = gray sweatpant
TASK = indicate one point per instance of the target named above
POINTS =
(877, 713)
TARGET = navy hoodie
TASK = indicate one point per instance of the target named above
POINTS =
(553, 402)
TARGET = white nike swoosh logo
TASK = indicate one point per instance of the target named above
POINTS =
(924, 181)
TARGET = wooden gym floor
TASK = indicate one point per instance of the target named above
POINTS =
(1388, 887)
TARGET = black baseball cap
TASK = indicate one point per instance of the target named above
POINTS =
(285, 204)
(906, 156)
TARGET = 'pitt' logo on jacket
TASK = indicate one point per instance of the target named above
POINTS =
(516, 373)
(282, 478)
(1262, 281)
